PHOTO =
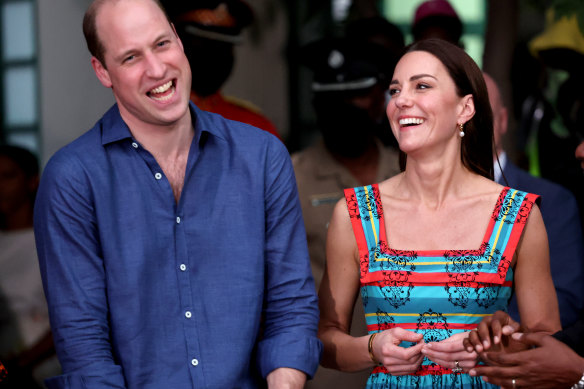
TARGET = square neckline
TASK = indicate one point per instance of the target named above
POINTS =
(446, 252)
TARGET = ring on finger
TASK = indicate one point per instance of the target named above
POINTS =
(513, 383)
(457, 368)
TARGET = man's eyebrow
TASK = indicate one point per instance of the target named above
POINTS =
(129, 52)
(414, 78)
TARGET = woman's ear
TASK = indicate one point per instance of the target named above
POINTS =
(467, 109)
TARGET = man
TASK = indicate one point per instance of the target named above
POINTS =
(560, 215)
(349, 103)
(171, 241)
(209, 31)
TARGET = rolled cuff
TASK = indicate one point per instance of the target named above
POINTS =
(289, 350)
(98, 376)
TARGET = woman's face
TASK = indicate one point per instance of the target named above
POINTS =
(424, 109)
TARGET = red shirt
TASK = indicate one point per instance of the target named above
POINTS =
(234, 110)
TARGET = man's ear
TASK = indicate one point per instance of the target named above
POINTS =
(467, 109)
(177, 37)
(101, 72)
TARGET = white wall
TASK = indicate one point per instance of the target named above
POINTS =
(72, 99)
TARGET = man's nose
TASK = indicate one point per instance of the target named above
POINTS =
(155, 66)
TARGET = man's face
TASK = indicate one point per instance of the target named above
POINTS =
(144, 64)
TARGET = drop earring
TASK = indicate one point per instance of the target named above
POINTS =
(461, 127)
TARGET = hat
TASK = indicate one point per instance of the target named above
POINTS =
(342, 64)
(220, 20)
(563, 33)
(437, 13)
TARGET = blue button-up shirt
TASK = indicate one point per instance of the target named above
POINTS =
(212, 292)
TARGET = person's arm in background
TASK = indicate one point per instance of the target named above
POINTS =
(562, 222)
(536, 296)
(289, 350)
(73, 273)
(527, 359)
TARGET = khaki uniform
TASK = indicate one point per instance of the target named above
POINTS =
(321, 180)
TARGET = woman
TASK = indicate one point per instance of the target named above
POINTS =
(439, 246)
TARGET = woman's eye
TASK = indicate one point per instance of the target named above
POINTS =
(423, 86)
(393, 91)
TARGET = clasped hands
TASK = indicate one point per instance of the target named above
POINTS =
(402, 361)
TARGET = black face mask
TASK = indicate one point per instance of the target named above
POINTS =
(211, 64)
(346, 129)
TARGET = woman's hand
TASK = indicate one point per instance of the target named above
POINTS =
(398, 360)
(451, 353)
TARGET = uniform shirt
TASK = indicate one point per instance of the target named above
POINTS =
(321, 180)
(147, 293)
(235, 109)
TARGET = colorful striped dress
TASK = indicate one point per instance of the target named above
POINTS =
(438, 293)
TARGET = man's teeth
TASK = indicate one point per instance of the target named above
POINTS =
(407, 121)
(162, 88)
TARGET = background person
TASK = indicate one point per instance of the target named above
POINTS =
(437, 19)
(426, 247)
(26, 343)
(560, 215)
(528, 360)
(170, 239)
(209, 31)
(349, 103)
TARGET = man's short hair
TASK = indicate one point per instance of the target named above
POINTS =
(94, 45)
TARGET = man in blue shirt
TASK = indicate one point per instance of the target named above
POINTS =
(171, 240)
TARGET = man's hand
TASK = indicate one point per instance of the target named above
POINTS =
(286, 378)
(551, 364)
(493, 334)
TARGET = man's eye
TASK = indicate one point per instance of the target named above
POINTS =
(163, 43)
(129, 58)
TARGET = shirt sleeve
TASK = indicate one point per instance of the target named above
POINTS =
(562, 223)
(73, 275)
(290, 307)
(573, 336)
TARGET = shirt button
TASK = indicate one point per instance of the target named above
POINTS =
(177, 220)
(188, 314)
(195, 362)
(183, 267)
(135, 145)
(158, 176)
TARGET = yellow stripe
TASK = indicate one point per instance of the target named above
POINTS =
(418, 315)
(449, 262)
(501, 227)
(371, 216)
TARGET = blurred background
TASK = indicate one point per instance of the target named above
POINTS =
(50, 94)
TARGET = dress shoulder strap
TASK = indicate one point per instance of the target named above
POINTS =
(366, 213)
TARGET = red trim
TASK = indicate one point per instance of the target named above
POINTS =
(420, 326)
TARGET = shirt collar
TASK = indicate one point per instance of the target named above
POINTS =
(115, 129)
(502, 162)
